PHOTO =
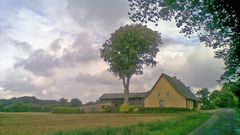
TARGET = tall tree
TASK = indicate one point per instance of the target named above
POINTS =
(203, 94)
(128, 49)
(216, 22)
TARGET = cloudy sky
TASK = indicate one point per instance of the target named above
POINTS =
(50, 49)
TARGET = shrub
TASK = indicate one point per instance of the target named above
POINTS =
(66, 110)
(208, 107)
(108, 108)
(20, 107)
(136, 110)
(124, 108)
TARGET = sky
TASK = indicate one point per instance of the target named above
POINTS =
(51, 49)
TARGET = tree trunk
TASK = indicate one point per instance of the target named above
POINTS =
(126, 89)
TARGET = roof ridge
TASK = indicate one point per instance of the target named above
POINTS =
(181, 87)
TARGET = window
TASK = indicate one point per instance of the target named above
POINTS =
(159, 94)
(168, 94)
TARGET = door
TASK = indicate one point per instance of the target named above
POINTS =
(161, 103)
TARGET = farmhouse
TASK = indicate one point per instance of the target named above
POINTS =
(167, 92)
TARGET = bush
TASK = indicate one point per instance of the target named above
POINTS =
(208, 107)
(66, 110)
(136, 110)
(108, 109)
(163, 110)
(124, 108)
(20, 107)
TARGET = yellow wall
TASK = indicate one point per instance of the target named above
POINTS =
(175, 99)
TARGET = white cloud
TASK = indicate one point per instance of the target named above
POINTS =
(57, 43)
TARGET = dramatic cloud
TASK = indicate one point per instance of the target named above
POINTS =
(55, 46)
(39, 63)
(82, 51)
(52, 51)
(102, 15)
(18, 83)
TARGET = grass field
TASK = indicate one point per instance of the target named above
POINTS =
(47, 123)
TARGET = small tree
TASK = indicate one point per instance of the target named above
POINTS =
(203, 94)
(63, 101)
(128, 49)
(75, 102)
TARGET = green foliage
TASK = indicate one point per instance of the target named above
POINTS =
(1, 107)
(216, 22)
(233, 87)
(108, 108)
(129, 48)
(204, 96)
(208, 106)
(223, 98)
(124, 108)
(162, 110)
(227, 99)
(20, 107)
(135, 110)
(63, 102)
(66, 110)
(27, 104)
(75, 102)
(179, 126)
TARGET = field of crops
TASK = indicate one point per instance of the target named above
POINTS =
(42, 123)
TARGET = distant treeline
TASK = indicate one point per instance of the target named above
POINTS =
(32, 104)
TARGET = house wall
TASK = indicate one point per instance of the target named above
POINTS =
(163, 87)
(189, 103)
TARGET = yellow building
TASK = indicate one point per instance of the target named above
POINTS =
(168, 92)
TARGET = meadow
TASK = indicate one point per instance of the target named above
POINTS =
(47, 123)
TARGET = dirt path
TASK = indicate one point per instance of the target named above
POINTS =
(223, 122)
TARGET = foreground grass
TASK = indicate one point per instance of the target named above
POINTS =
(45, 123)
(180, 125)
(238, 117)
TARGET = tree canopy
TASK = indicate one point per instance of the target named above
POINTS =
(203, 94)
(216, 22)
(128, 49)
(75, 102)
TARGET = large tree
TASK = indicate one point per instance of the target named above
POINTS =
(216, 22)
(128, 49)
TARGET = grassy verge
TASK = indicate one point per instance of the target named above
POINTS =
(180, 125)
(238, 117)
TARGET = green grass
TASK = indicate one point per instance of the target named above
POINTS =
(238, 117)
(180, 125)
